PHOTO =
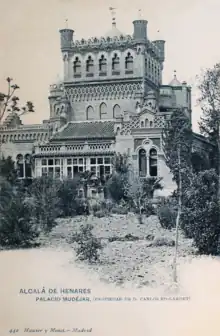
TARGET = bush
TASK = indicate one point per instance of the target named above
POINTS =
(115, 187)
(17, 226)
(200, 218)
(167, 213)
(67, 194)
(119, 210)
(44, 200)
(88, 246)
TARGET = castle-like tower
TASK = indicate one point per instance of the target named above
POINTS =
(108, 75)
(112, 99)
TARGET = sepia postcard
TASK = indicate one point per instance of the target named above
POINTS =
(109, 168)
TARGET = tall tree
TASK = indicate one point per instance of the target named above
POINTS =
(177, 137)
(209, 100)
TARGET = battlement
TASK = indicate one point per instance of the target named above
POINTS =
(111, 43)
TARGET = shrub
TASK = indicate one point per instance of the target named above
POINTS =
(200, 218)
(100, 214)
(167, 212)
(162, 241)
(88, 246)
(115, 187)
(67, 193)
(44, 200)
(17, 226)
(119, 210)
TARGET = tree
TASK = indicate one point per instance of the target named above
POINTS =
(177, 136)
(7, 169)
(209, 100)
(200, 218)
(139, 191)
(10, 102)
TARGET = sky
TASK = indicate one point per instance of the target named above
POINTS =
(30, 41)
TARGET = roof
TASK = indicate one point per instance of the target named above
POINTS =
(175, 81)
(114, 32)
(86, 130)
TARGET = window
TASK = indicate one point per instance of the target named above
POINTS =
(142, 124)
(89, 64)
(129, 63)
(52, 167)
(77, 67)
(116, 111)
(153, 162)
(101, 166)
(151, 123)
(103, 111)
(24, 166)
(146, 123)
(142, 163)
(90, 113)
(115, 64)
(75, 166)
(103, 64)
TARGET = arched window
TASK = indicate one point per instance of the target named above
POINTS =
(103, 111)
(116, 111)
(146, 122)
(77, 66)
(89, 64)
(102, 64)
(90, 113)
(142, 162)
(142, 124)
(153, 162)
(151, 123)
(115, 63)
(129, 62)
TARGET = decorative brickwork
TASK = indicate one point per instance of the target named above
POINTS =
(105, 91)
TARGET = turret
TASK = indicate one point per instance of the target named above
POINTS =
(160, 44)
(66, 39)
(140, 30)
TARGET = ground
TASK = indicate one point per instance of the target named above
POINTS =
(138, 263)
(54, 266)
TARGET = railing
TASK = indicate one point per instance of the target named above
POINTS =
(75, 148)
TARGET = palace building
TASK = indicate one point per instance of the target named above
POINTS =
(112, 100)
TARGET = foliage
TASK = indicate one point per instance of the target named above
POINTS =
(209, 100)
(67, 194)
(167, 213)
(10, 103)
(177, 136)
(200, 218)
(88, 246)
(120, 163)
(44, 200)
(7, 169)
(140, 192)
(115, 186)
(17, 227)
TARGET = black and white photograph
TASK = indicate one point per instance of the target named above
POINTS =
(110, 168)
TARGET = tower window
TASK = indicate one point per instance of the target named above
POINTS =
(103, 111)
(102, 64)
(89, 64)
(115, 63)
(77, 67)
(90, 113)
(153, 162)
(116, 111)
(129, 63)
(142, 163)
